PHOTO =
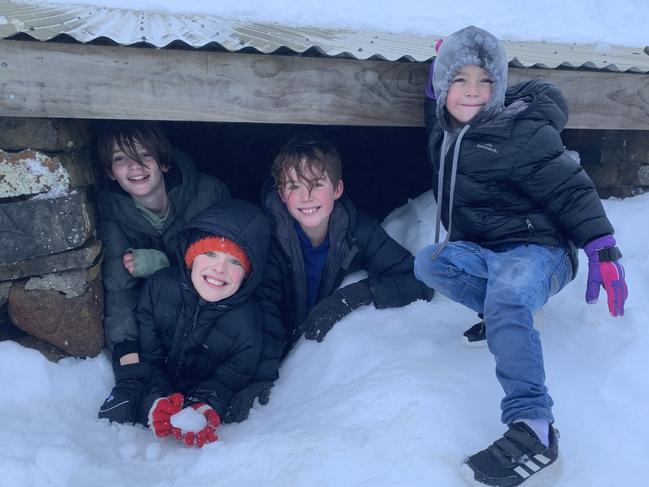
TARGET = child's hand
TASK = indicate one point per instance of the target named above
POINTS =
(430, 92)
(207, 434)
(129, 262)
(160, 415)
(605, 270)
(327, 312)
(242, 401)
(130, 380)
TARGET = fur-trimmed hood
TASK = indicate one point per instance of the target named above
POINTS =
(470, 46)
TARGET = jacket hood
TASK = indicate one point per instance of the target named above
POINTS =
(541, 101)
(245, 224)
(474, 46)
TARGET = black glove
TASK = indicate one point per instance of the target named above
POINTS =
(121, 405)
(242, 401)
(327, 312)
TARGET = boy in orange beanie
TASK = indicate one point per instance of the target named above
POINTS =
(200, 329)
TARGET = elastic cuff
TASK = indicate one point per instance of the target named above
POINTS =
(124, 348)
(607, 240)
(362, 291)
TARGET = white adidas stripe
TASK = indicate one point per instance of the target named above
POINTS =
(532, 466)
(522, 472)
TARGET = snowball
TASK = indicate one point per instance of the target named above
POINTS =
(189, 419)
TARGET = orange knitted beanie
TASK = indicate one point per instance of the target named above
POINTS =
(217, 244)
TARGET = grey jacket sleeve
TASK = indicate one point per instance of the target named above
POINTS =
(121, 290)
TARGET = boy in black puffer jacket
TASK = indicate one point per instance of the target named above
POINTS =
(515, 205)
(318, 238)
(200, 329)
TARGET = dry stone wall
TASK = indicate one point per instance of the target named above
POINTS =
(51, 296)
(616, 160)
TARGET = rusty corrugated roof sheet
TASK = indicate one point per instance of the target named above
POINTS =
(127, 27)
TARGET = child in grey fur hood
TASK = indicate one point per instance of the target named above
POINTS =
(515, 207)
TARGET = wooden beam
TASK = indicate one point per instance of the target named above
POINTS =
(597, 100)
(85, 81)
(45, 79)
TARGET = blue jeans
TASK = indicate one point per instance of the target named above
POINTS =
(507, 286)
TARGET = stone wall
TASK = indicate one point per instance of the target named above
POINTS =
(51, 296)
(616, 160)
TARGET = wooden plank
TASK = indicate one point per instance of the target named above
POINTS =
(84, 81)
(597, 100)
(55, 80)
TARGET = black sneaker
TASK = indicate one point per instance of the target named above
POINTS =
(515, 458)
(476, 336)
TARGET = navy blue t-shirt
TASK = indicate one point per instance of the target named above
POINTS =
(314, 261)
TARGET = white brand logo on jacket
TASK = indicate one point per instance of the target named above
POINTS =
(488, 147)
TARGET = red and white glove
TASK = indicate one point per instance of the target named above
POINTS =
(208, 433)
(160, 415)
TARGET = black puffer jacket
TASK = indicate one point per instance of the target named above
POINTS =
(515, 182)
(356, 242)
(123, 226)
(207, 351)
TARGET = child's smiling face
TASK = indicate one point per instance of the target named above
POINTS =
(138, 180)
(217, 275)
(311, 207)
(469, 92)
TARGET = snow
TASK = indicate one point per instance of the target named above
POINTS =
(55, 192)
(585, 21)
(31, 172)
(188, 419)
(390, 397)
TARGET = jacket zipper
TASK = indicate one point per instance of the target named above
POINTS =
(530, 230)
(180, 346)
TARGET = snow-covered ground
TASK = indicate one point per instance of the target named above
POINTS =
(389, 398)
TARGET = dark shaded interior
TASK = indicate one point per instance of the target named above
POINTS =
(382, 166)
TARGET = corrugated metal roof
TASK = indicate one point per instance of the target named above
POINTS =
(127, 27)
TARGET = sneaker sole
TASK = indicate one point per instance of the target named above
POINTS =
(545, 478)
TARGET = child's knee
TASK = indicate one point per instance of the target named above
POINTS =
(426, 266)
(520, 297)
